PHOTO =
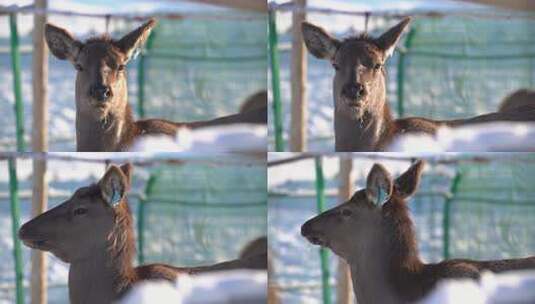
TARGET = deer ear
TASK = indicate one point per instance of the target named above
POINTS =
(318, 42)
(378, 185)
(387, 42)
(113, 186)
(132, 42)
(408, 182)
(127, 171)
(61, 43)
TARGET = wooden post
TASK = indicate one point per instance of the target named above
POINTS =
(38, 279)
(299, 112)
(345, 190)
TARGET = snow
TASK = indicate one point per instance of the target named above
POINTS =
(491, 137)
(239, 137)
(240, 286)
(509, 287)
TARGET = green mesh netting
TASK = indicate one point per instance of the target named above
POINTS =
(464, 66)
(492, 210)
(196, 214)
(201, 69)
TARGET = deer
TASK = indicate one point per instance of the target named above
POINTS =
(374, 233)
(363, 120)
(93, 232)
(104, 118)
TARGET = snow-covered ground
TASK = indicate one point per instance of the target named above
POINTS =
(242, 138)
(228, 287)
(509, 287)
(500, 136)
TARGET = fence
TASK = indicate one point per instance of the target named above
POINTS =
(195, 65)
(470, 207)
(450, 64)
(185, 212)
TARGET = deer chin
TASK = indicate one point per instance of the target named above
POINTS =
(352, 109)
(317, 240)
(101, 109)
(44, 245)
(60, 255)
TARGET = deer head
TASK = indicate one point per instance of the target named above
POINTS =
(100, 64)
(359, 84)
(86, 223)
(364, 223)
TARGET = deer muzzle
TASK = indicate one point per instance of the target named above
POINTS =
(100, 92)
(354, 93)
(313, 236)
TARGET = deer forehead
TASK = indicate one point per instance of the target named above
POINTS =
(101, 52)
(360, 199)
(90, 194)
(352, 52)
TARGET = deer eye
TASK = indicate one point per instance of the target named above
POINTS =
(78, 67)
(80, 211)
(346, 212)
(121, 67)
(377, 66)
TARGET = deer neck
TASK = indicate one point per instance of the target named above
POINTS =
(370, 275)
(103, 133)
(363, 134)
(388, 268)
(100, 278)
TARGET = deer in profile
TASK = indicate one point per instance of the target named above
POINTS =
(363, 120)
(373, 232)
(104, 119)
(93, 232)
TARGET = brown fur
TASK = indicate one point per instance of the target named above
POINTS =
(364, 122)
(382, 249)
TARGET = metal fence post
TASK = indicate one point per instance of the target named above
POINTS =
(324, 257)
(275, 81)
(15, 218)
(15, 66)
(446, 216)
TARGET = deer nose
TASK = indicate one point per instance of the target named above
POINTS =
(353, 90)
(23, 231)
(306, 229)
(100, 92)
